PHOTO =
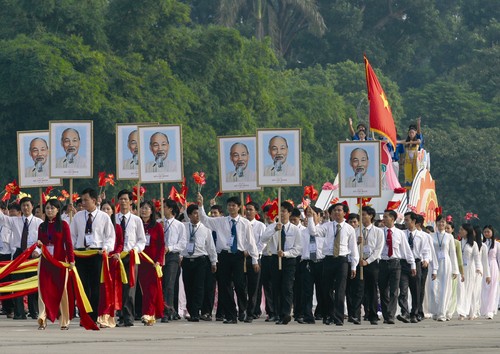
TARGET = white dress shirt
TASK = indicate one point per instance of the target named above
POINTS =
(258, 229)
(348, 240)
(16, 225)
(421, 248)
(201, 242)
(400, 247)
(244, 233)
(176, 237)
(5, 240)
(103, 233)
(373, 243)
(293, 244)
(133, 233)
(309, 246)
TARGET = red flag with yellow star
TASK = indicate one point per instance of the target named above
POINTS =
(381, 120)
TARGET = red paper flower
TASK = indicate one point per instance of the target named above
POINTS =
(327, 186)
(75, 197)
(141, 193)
(106, 179)
(310, 192)
(438, 211)
(218, 194)
(199, 178)
(157, 204)
(449, 218)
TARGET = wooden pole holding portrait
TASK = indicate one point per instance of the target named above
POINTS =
(361, 244)
(279, 231)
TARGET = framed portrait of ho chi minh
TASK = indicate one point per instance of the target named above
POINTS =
(127, 150)
(33, 159)
(238, 163)
(359, 169)
(279, 160)
(72, 149)
(160, 154)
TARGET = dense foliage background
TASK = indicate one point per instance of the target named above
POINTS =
(230, 66)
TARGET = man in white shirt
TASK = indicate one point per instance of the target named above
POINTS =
(199, 251)
(312, 271)
(134, 239)
(175, 242)
(340, 242)
(289, 235)
(24, 234)
(91, 229)
(253, 281)
(421, 253)
(396, 247)
(373, 241)
(234, 237)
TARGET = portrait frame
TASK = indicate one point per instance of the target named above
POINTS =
(290, 173)
(229, 181)
(83, 161)
(123, 153)
(172, 169)
(29, 174)
(362, 184)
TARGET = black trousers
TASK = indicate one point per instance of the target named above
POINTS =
(170, 270)
(267, 284)
(231, 273)
(252, 280)
(370, 275)
(423, 280)
(89, 269)
(282, 281)
(354, 293)
(7, 305)
(207, 304)
(406, 282)
(312, 273)
(128, 294)
(193, 276)
(388, 284)
(335, 270)
(297, 291)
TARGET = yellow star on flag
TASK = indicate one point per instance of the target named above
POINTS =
(386, 103)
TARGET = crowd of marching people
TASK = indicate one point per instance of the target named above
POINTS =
(240, 263)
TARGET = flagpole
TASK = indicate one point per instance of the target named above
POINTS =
(361, 244)
(279, 232)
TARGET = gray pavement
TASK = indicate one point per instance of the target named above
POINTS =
(478, 336)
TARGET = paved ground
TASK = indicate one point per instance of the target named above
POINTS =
(479, 336)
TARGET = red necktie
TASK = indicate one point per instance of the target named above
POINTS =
(389, 243)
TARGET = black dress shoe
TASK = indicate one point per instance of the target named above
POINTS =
(308, 321)
(413, 319)
(374, 322)
(20, 317)
(164, 319)
(286, 319)
(404, 319)
(226, 321)
(206, 317)
(242, 317)
(327, 322)
(219, 319)
(339, 323)
(389, 321)
(354, 320)
(193, 319)
(271, 319)
(248, 319)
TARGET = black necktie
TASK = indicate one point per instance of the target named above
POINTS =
(191, 239)
(214, 236)
(283, 238)
(410, 240)
(24, 235)
(88, 229)
(123, 226)
(234, 246)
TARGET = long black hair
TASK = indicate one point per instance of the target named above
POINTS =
(45, 225)
(470, 233)
(152, 219)
(493, 237)
(112, 217)
(479, 238)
